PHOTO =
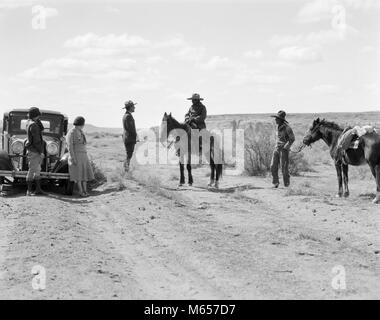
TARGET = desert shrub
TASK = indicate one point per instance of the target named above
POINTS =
(116, 135)
(306, 184)
(100, 177)
(298, 163)
(173, 176)
(95, 135)
(151, 181)
(260, 141)
(117, 178)
(259, 146)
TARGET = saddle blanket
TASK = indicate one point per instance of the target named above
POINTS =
(361, 131)
(350, 137)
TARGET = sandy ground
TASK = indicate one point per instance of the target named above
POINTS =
(160, 242)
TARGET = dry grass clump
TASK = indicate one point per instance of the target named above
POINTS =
(100, 135)
(308, 237)
(117, 178)
(154, 184)
(100, 177)
(304, 189)
(298, 163)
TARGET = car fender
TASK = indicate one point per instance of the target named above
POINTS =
(5, 161)
(62, 166)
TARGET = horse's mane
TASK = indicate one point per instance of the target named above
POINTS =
(331, 125)
(177, 123)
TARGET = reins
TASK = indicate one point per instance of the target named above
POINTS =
(301, 147)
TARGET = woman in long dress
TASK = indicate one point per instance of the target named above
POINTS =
(80, 169)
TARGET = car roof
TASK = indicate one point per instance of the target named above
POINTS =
(42, 111)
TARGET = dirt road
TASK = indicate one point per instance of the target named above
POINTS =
(166, 243)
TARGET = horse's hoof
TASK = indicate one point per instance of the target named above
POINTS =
(216, 185)
(346, 194)
(180, 185)
(339, 195)
(210, 184)
(190, 184)
(376, 200)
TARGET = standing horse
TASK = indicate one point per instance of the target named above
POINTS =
(367, 152)
(185, 149)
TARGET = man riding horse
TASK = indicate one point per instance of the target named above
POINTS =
(208, 146)
(197, 114)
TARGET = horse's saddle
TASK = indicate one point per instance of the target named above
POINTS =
(350, 138)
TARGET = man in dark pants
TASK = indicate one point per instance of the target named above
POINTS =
(129, 134)
(35, 148)
(285, 139)
(197, 113)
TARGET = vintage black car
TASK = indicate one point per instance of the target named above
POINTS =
(13, 161)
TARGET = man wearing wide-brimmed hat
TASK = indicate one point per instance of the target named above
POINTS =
(129, 133)
(35, 151)
(285, 139)
(197, 114)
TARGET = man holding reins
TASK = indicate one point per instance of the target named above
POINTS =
(284, 140)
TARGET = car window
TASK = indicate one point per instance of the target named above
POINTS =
(18, 123)
(46, 124)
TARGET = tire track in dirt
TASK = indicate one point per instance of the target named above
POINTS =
(142, 243)
(161, 268)
(78, 262)
(220, 253)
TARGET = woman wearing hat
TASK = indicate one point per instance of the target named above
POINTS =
(285, 139)
(80, 169)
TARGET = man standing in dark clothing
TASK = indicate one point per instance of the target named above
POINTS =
(285, 139)
(197, 114)
(129, 134)
(35, 147)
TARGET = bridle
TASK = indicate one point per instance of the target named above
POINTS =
(303, 145)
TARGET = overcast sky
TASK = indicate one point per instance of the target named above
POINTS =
(242, 57)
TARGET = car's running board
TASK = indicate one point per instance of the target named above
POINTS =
(44, 175)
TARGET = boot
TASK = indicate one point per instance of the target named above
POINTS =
(39, 191)
(29, 191)
(126, 165)
(377, 199)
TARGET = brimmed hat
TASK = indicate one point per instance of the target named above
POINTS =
(79, 121)
(33, 112)
(280, 115)
(195, 96)
(128, 104)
